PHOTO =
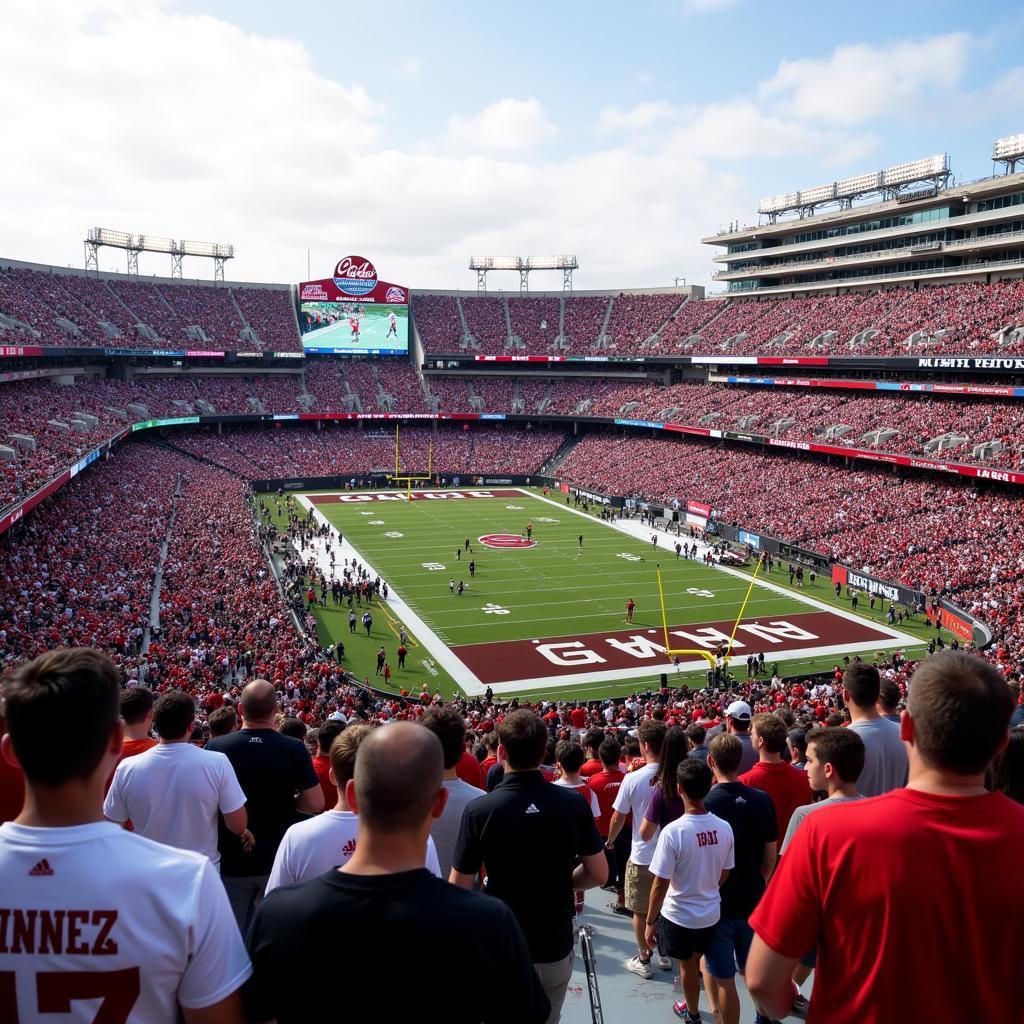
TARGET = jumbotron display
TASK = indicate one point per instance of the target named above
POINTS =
(354, 313)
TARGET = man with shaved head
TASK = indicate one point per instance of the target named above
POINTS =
(271, 769)
(383, 898)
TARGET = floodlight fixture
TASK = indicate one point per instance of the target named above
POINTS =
(916, 170)
(134, 244)
(1010, 147)
(859, 184)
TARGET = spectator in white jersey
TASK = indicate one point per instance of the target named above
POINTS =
(328, 840)
(693, 858)
(174, 792)
(144, 927)
(886, 765)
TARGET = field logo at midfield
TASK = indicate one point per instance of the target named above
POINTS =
(506, 540)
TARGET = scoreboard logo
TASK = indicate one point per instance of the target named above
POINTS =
(355, 275)
(395, 294)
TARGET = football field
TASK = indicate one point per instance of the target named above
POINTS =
(548, 613)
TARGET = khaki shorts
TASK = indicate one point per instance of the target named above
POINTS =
(638, 887)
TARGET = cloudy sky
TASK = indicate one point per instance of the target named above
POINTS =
(421, 134)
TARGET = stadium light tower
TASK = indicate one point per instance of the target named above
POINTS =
(134, 244)
(1008, 150)
(524, 264)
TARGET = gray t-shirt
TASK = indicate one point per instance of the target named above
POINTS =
(445, 830)
(886, 765)
(801, 812)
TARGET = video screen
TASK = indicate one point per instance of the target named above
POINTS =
(352, 326)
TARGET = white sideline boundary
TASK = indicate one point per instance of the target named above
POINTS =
(439, 651)
(472, 684)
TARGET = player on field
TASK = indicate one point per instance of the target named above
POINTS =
(392, 326)
(354, 325)
(104, 924)
(630, 605)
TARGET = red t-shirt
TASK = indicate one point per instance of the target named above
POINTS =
(787, 786)
(132, 747)
(578, 717)
(322, 767)
(907, 896)
(591, 767)
(605, 785)
(468, 769)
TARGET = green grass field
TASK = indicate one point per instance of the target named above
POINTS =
(551, 590)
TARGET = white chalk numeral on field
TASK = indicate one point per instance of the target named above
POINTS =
(547, 519)
(394, 534)
(494, 609)
(365, 512)
(514, 508)
(376, 522)
(628, 556)
(700, 592)
(432, 566)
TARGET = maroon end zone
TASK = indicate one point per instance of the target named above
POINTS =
(510, 660)
(358, 498)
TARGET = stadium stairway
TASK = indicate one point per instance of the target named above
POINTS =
(550, 467)
(157, 442)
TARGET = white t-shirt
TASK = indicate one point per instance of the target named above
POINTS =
(173, 793)
(586, 792)
(109, 903)
(693, 851)
(634, 795)
(312, 847)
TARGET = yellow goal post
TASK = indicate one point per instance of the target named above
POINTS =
(673, 652)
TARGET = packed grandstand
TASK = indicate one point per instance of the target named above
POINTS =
(872, 426)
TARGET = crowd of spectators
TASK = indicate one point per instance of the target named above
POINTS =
(584, 318)
(39, 298)
(921, 532)
(637, 317)
(535, 321)
(485, 318)
(437, 321)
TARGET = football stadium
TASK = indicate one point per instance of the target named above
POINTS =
(321, 597)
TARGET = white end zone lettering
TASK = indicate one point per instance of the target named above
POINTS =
(637, 647)
(573, 652)
(776, 632)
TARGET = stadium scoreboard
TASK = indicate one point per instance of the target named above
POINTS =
(354, 313)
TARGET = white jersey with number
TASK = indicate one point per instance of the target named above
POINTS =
(97, 923)
(311, 848)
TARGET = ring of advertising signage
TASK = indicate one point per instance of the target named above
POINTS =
(353, 312)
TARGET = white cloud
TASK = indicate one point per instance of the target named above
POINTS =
(642, 117)
(507, 126)
(133, 116)
(858, 83)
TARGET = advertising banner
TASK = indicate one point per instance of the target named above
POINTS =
(697, 514)
(353, 312)
(857, 580)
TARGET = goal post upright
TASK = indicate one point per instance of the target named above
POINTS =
(671, 651)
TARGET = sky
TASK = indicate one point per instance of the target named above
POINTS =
(419, 135)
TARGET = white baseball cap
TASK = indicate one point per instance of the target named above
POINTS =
(337, 717)
(739, 709)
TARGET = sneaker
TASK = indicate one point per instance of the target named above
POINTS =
(640, 967)
(665, 962)
(618, 908)
(680, 1010)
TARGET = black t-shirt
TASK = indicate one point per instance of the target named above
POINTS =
(530, 833)
(751, 814)
(463, 957)
(271, 769)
